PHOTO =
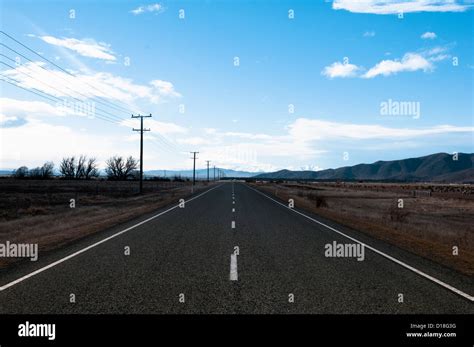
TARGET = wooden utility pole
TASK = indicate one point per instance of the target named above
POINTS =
(208, 161)
(141, 130)
(194, 166)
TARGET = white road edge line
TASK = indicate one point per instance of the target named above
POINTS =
(399, 262)
(233, 268)
(21, 279)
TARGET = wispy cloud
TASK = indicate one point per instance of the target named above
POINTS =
(106, 85)
(409, 62)
(369, 34)
(165, 88)
(397, 6)
(157, 8)
(339, 69)
(86, 47)
(428, 35)
(423, 60)
(24, 108)
(314, 129)
(162, 128)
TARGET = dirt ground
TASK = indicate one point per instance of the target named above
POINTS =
(434, 218)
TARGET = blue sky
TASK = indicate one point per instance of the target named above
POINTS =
(308, 91)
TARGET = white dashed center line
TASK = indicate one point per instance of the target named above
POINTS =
(233, 268)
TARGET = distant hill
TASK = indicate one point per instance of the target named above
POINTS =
(439, 167)
(200, 174)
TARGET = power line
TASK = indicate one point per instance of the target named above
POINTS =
(50, 97)
(110, 115)
(106, 103)
(50, 86)
(53, 98)
(162, 140)
(56, 65)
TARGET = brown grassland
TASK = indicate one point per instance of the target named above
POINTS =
(434, 218)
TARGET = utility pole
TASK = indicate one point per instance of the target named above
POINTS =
(194, 166)
(141, 130)
(214, 172)
(208, 161)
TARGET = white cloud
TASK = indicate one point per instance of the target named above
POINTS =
(195, 141)
(409, 62)
(314, 129)
(338, 69)
(29, 140)
(428, 36)
(86, 47)
(210, 130)
(5, 119)
(249, 136)
(36, 142)
(105, 85)
(32, 108)
(439, 57)
(162, 128)
(369, 34)
(165, 88)
(397, 6)
(303, 142)
(158, 8)
(436, 50)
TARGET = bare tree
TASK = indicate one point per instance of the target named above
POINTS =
(21, 172)
(47, 170)
(130, 166)
(114, 167)
(120, 169)
(68, 167)
(91, 169)
(80, 166)
(44, 172)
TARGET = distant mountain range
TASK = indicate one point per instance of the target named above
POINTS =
(439, 167)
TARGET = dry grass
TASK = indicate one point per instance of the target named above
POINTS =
(428, 225)
(39, 211)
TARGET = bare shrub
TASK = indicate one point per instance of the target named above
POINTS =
(318, 199)
(398, 214)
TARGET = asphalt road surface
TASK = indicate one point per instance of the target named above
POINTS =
(184, 260)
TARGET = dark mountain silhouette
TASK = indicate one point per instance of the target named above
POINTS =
(439, 167)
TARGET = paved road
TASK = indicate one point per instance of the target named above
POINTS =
(189, 251)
